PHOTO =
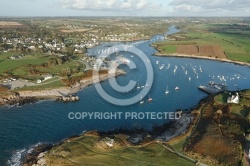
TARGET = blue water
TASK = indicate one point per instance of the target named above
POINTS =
(47, 121)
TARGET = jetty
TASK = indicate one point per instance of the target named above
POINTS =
(213, 88)
(70, 98)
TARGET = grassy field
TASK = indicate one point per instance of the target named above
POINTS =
(87, 150)
(235, 43)
(34, 67)
(52, 85)
(7, 64)
(170, 49)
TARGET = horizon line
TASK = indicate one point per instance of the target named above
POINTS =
(129, 16)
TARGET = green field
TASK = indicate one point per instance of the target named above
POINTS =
(52, 85)
(85, 151)
(235, 43)
(7, 65)
(170, 49)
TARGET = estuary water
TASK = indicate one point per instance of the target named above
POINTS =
(47, 121)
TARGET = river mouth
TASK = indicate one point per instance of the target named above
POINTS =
(34, 123)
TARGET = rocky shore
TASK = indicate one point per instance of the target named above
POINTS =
(134, 136)
(16, 99)
(37, 156)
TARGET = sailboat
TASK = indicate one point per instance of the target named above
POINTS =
(167, 91)
(150, 99)
(141, 102)
(138, 87)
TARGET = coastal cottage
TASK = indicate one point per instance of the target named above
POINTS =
(38, 81)
(234, 98)
(47, 77)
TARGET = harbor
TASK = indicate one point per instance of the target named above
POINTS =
(186, 74)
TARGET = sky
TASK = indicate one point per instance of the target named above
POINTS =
(206, 8)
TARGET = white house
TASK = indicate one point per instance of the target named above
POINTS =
(110, 142)
(234, 99)
(47, 77)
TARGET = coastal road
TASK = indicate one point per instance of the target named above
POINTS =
(23, 83)
(182, 155)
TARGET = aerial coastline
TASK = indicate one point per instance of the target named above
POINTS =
(35, 95)
(202, 57)
(69, 69)
(174, 137)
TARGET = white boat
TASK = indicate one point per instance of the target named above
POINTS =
(141, 102)
(161, 67)
(175, 68)
(138, 87)
(168, 66)
(157, 62)
(146, 85)
(177, 88)
(167, 91)
(189, 78)
(150, 99)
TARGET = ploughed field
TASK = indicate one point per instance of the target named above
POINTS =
(210, 40)
(203, 50)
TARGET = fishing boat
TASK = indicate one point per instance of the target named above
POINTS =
(177, 88)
